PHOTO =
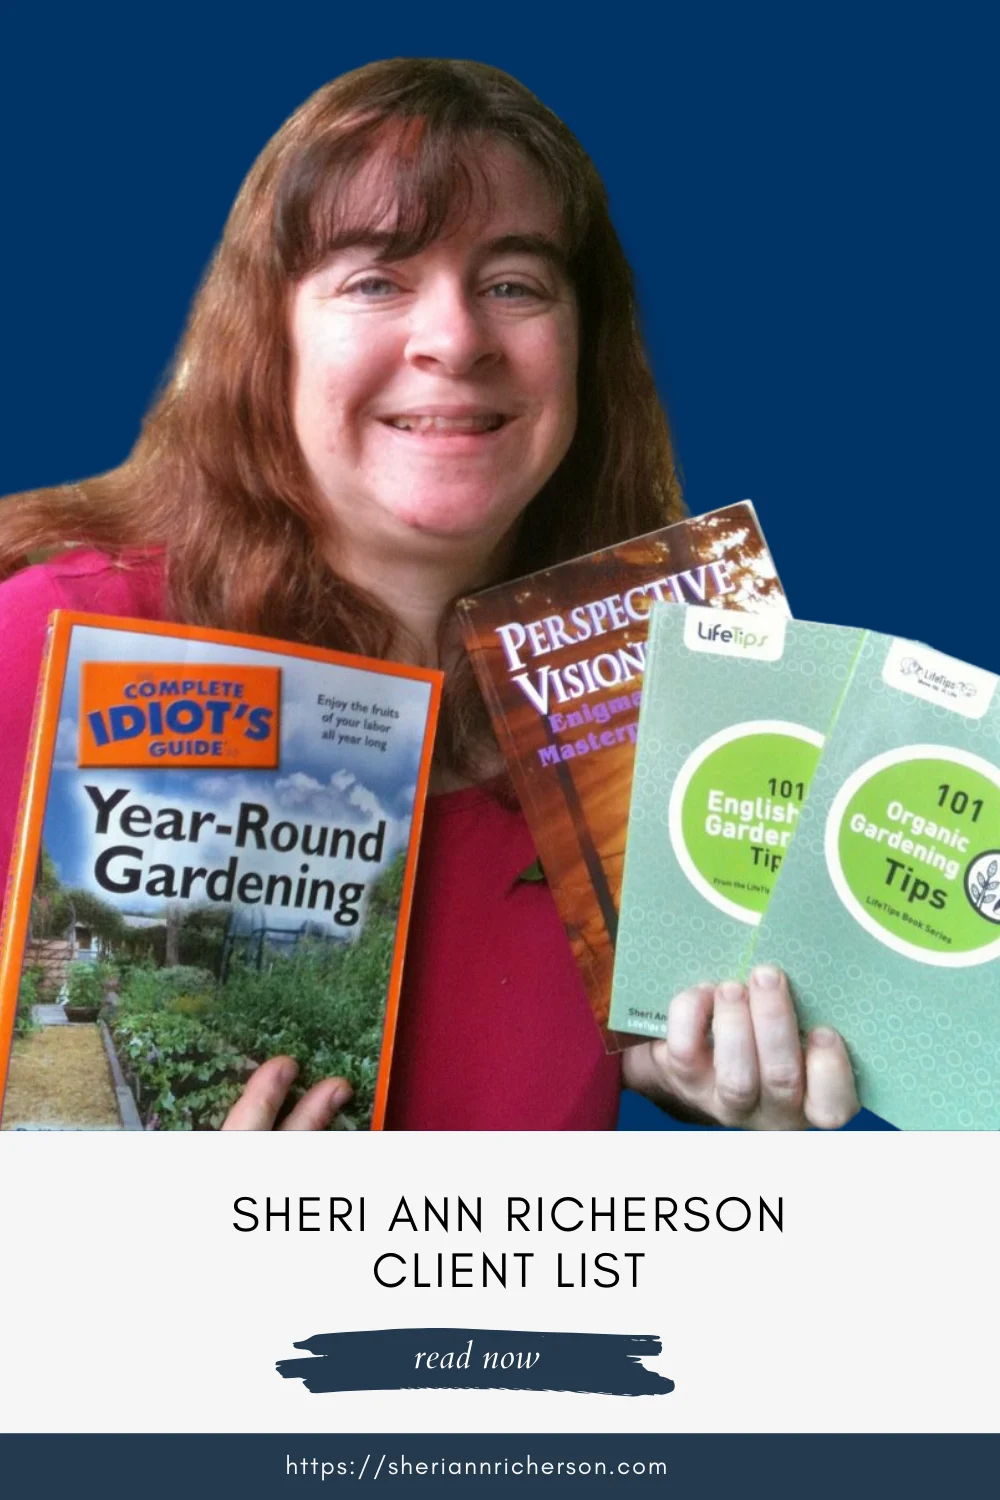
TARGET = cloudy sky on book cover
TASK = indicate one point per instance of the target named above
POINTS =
(357, 778)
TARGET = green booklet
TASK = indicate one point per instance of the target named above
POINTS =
(734, 714)
(887, 913)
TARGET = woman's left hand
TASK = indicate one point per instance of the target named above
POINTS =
(266, 1091)
(733, 1054)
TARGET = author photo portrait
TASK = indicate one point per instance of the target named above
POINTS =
(414, 370)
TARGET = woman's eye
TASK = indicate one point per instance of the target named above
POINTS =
(512, 290)
(373, 286)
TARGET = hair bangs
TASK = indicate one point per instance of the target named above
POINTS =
(400, 183)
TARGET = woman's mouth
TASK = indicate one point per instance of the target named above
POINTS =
(420, 422)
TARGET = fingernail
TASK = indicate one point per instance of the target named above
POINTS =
(766, 976)
(731, 990)
(340, 1095)
(823, 1036)
(289, 1072)
(695, 991)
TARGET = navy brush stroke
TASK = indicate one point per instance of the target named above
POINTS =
(384, 1359)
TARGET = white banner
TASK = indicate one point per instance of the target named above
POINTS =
(135, 1305)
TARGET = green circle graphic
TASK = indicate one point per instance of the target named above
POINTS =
(740, 808)
(918, 845)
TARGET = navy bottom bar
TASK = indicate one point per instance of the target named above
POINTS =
(151, 1466)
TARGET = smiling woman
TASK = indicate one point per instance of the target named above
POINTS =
(414, 369)
(434, 394)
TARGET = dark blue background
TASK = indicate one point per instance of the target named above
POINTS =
(806, 193)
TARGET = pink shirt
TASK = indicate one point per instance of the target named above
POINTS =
(494, 1029)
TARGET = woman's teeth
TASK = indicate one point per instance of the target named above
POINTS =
(488, 422)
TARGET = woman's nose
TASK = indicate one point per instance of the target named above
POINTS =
(450, 329)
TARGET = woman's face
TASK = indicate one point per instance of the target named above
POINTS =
(433, 397)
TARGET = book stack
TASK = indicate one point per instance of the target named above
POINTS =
(822, 798)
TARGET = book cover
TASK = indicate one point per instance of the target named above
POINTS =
(560, 657)
(215, 865)
(735, 711)
(886, 913)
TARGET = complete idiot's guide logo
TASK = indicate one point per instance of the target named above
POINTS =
(136, 714)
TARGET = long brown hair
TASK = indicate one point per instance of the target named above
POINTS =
(217, 479)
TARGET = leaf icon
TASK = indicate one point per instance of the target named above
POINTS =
(983, 884)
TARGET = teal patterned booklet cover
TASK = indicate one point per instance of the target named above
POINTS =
(887, 913)
(868, 868)
(734, 714)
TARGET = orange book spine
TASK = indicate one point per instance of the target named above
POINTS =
(25, 851)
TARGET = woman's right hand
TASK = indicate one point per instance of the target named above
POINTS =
(261, 1101)
(733, 1055)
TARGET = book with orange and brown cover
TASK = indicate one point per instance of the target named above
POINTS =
(560, 657)
(214, 865)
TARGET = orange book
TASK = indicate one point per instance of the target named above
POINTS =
(560, 657)
(215, 865)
